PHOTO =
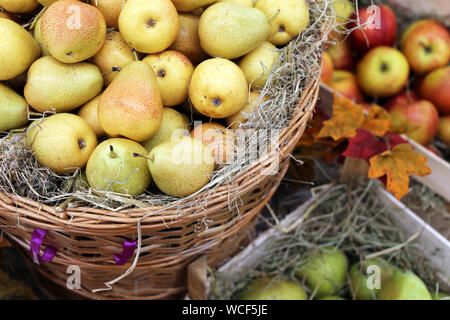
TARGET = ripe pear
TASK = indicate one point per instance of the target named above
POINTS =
(131, 106)
(19, 6)
(62, 142)
(38, 36)
(187, 40)
(173, 72)
(73, 31)
(191, 5)
(115, 54)
(218, 88)
(172, 123)
(291, 20)
(404, 286)
(18, 49)
(219, 139)
(89, 112)
(149, 26)
(254, 102)
(325, 271)
(258, 64)
(53, 85)
(230, 30)
(113, 167)
(13, 109)
(248, 3)
(181, 166)
(359, 278)
(47, 3)
(265, 288)
(110, 9)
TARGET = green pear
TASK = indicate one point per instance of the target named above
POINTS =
(181, 166)
(113, 167)
(13, 109)
(359, 277)
(230, 30)
(73, 31)
(131, 106)
(440, 296)
(332, 298)
(266, 289)
(172, 122)
(18, 49)
(62, 142)
(404, 286)
(53, 85)
(325, 271)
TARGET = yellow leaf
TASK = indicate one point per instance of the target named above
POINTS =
(347, 118)
(398, 164)
(377, 121)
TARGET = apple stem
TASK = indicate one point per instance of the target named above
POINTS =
(274, 15)
(143, 156)
(135, 54)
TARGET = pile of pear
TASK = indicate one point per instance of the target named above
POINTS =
(111, 84)
(326, 273)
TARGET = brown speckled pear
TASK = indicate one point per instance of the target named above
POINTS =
(110, 9)
(181, 166)
(131, 106)
(73, 31)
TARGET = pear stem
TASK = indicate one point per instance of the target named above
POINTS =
(143, 156)
(113, 69)
(36, 18)
(112, 154)
(135, 54)
(274, 15)
(37, 114)
(17, 131)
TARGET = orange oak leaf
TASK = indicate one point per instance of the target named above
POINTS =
(347, 118)
(398, 164)
(377, 121)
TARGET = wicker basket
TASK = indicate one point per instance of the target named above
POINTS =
(89, 237)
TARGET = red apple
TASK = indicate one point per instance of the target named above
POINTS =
(382, 72)
(341, 55)
(435, 87)
(327, 68)
(345, 83)
(403, 98)
(419, 118)
(444, 130)
(377, 27)
(426, 45)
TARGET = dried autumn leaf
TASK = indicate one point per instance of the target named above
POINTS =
(398, 164)
(347, 118)
(377, 121)
(4, 243)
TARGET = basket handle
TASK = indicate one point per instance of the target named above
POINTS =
(197, 278)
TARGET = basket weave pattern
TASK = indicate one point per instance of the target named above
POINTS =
(89, 237)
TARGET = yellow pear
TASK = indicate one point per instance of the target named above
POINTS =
(110, 9)
(173, 122)
(62, 142)
(73, 31)
(258, 64)
(187, 40)
(18, 49)
(131, 106)
(248, 3)
(53, 85)
(89, 112)
(291, 20)
(230, 30)
(19, 6)
(114, 54)
(181, 166)
(47, 3)
(218, 88)
(173, 72)
(219, 139)
(149, 26)
(191, 5)
(113, 167)
(13, 109)
(38, 36)
(254, 101)
(343, 10)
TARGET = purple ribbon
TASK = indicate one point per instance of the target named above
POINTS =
(35, 247)
(128, 249)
